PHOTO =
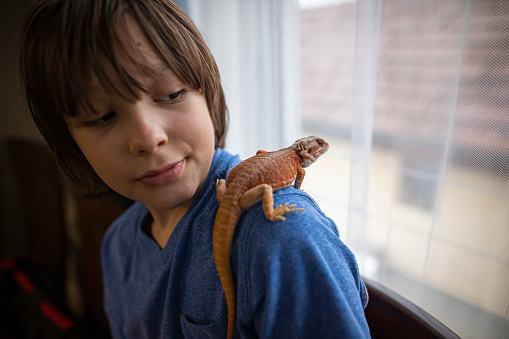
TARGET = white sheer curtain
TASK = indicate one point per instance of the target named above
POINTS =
(255, 44)
(429, 179)
(417, 178)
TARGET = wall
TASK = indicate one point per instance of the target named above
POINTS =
(14, 117)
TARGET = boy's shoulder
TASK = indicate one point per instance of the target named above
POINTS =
(299, 228)
(301, 245)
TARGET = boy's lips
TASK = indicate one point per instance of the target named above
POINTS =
(161, 176)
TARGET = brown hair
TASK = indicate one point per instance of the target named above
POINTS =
(63, 42)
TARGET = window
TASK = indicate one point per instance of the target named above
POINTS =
(417, 178)
(413, 98)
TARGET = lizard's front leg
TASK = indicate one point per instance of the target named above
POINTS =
(301, 173)
(220, 189)
(264, 192)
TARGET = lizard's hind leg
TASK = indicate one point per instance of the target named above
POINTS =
(264, 192)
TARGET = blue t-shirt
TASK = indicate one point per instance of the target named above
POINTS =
(294, 278)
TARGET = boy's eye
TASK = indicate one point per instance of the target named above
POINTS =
(171, 98)
(102, 120)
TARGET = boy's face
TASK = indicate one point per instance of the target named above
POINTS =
(156, 149)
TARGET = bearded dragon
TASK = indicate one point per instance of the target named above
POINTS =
(250, 181)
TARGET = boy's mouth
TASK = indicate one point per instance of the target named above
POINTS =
(161, 176)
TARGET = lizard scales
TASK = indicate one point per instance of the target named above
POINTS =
(252, 180)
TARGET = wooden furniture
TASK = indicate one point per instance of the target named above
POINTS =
(390, 315)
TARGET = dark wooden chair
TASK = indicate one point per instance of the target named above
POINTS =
(93, 217)
(34, 243)
(40, 241)
(38, 185)
(389, 315)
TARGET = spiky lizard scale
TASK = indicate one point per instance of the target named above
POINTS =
(250, 181)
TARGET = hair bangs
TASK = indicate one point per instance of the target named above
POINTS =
(104, 46)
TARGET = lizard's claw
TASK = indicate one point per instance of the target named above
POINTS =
(282, 210)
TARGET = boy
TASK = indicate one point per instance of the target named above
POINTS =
(128, 96)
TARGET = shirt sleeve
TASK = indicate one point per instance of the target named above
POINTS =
(296, 278)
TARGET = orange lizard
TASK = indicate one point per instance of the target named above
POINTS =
(250, 181)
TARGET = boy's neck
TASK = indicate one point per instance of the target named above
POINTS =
(164, 223)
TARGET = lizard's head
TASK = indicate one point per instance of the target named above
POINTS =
(310, 149)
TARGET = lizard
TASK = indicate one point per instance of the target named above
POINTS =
(250, 181)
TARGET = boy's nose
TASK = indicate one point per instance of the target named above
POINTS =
(146, 133)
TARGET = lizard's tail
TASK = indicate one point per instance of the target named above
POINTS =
(224, 227)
